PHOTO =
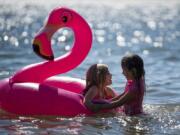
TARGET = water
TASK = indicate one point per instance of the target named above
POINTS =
(148, 28)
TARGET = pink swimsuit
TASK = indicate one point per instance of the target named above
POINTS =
(135, 106)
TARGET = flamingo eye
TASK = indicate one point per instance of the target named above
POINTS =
(64, 19)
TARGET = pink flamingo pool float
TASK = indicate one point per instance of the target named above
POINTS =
(33, 90)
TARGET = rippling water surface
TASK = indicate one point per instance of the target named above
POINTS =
(148, 28)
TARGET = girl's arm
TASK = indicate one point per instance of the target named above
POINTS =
(112, 93)
(92, 92)
(125, 98)
(117, 97)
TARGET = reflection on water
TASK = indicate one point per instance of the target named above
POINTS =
(159, 120)
(150, 29)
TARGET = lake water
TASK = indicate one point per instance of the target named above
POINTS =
(148, 28)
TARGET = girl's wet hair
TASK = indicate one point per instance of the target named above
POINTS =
(134, 64)
(96, 76)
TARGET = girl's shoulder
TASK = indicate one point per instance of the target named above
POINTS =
(109, 88)
(130, 82)
(93, 88)
(110, 92)
(91, 93)
(135, 86)
(130, 86)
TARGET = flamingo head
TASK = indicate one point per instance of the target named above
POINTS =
(58, 18)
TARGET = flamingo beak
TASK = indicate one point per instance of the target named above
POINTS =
(37, 50)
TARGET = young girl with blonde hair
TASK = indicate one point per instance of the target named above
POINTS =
(98, 79)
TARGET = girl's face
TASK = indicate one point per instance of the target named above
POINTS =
(127, 73)
(108, 79)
